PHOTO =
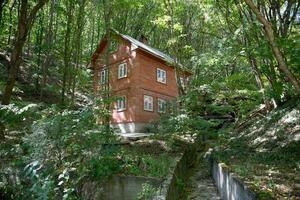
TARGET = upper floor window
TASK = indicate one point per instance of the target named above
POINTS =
(121, 103)
(104, 76)
(161, 105)
(148, 103)
(182, 82)
(122, 70)
(161, 75)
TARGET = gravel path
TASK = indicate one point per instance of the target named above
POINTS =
(200, 185)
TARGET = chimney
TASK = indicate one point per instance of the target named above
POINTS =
(143, 39)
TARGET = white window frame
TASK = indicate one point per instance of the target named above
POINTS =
(121, 103)
(104, 76)
(122, 70)
(161, 105)
(161, 75)
(148, 106)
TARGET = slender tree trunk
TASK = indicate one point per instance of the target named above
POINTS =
(259, 81)
(49, 44)
(275, 49)
(174, 48)
(39, 42)
(67, 51)
(251, 59)
(2, 131)
(106, 13)
(10, 25)
(80, 27)
(2, 4)
(92, 33)
(24, 27)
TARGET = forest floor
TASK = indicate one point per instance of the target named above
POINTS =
(264, 151)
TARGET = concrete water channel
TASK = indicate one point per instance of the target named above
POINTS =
(200, 185)
(203, 179)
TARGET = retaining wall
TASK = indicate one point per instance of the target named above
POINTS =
(173, 187)
(229, 186)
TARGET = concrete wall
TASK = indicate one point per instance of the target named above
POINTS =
(116, 188)
(130, 127)
(173, 187)
(229, 186)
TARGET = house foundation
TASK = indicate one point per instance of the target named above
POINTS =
(130, 127)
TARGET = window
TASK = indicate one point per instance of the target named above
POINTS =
(161, 105)
(121, 103)
(161, 75)
(182, 82)
(148, 103)
(122, 71)
(104, 76)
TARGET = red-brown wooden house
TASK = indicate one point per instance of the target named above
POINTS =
(143, 79)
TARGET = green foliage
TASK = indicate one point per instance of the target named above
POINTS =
(138, 164)
(61, 140)
(41, 186)
(214, 39)
(106, 165)
(148, 192)
(14, 114)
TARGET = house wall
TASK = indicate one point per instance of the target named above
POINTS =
(148, 85)
(141, 80)
(119, 87)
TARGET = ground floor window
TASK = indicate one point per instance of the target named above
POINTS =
(148, 103)
(121, 103)
(161, 105)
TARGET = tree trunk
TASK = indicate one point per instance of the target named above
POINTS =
(259, 81)
(92, 32)
(106, 13)
(275, 49)
(2, 4)
(10, 25)
(2, 131)
(67, 51)
(49, 44)
(24, 27)
(39, 42)
(80, 27)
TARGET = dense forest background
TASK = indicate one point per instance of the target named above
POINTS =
(223, 42)
(244, 55)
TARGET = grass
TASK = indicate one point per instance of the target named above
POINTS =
(145, 164)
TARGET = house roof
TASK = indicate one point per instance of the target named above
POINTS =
(155, 52)
(147, 48)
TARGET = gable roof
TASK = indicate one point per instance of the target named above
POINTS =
(144, 47)
(155, 52)
(147, 48)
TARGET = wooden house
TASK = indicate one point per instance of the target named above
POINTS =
(141, 77)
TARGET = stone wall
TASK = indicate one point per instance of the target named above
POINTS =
(229, 186)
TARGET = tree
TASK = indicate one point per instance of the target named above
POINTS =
(107, 22)
(25, 22)
(2, 4)
(67, 50)
(274, 46)
(49, 48)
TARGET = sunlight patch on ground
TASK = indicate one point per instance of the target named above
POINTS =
(291, 117)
